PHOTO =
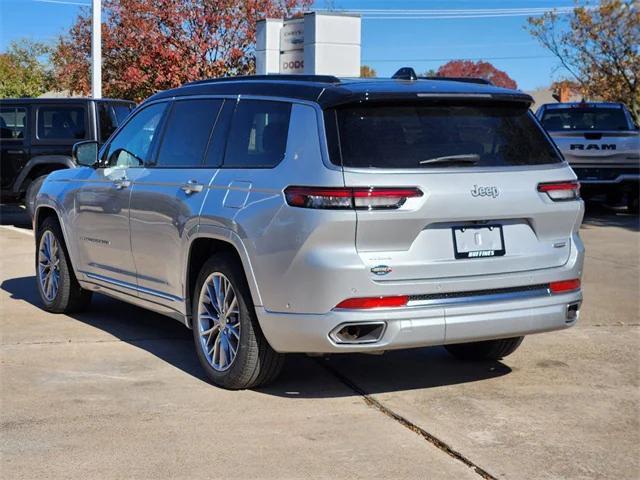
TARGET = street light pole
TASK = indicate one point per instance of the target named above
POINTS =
(96, 50)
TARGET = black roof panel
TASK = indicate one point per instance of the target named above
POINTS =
(329, 91)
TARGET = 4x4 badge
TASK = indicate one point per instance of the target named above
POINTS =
(381, 270)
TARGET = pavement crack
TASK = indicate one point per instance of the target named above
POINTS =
(615, 325)
(372, 402)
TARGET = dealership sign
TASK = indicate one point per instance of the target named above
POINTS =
(292, 46)
(319, 43)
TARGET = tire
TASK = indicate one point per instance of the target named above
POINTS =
(31, 193)
(487, 350)
(255, 363)
(67, 296)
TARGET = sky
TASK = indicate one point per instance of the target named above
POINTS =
(423, 34)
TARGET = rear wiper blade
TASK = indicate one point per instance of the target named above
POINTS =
(470, 158)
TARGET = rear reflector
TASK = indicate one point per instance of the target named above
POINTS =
(374, 302)
(560, 191)
(367, 198)
(565, 286)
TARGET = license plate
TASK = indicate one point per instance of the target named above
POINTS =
(478, 242)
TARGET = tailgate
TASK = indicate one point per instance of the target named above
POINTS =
(418, 241)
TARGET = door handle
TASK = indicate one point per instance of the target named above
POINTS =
(192, 186)
(15, 152)
(121, 183)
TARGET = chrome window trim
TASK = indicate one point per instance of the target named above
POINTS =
(324, 151)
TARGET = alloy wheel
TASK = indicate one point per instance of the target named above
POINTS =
(218, 321)
(49, 265)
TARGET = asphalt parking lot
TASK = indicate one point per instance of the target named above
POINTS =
(117, 393)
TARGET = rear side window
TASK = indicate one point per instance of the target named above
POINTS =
(218, 142)
(440, 135)
(61, 123)
(258, 134)
(121, 111)
(110, 116)
(12, 123)
(579, 118)
(187, 132)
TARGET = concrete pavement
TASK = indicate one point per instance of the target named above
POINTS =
(116, 392)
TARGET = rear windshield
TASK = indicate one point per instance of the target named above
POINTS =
(439, 135)
(579, 118)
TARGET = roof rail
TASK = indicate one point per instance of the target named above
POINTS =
(275, 76)
(408, 73)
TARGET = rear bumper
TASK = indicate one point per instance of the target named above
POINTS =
(474, 316)
(603, 176)
(422, 326)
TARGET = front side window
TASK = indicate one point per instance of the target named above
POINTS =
(584, 118)
(187, 132)
(12, 123)
(258, 134)
(440, 135)
(132, 145)
(61, 123)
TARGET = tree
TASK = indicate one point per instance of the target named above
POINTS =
(23, 70)
(467, 68)
(429, 73)
(599, 47)
(151, 45)
(367, 72)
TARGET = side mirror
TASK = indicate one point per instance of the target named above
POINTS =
(85, 153)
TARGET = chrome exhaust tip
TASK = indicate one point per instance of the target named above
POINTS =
(573, 312)
(358, 333)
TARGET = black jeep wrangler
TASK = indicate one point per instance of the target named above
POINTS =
(37, 135)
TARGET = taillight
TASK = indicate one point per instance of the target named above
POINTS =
(374, 302)
(360, 198)
(565, 286)
(560, 191)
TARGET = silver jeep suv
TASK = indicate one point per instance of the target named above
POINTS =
(312, 214)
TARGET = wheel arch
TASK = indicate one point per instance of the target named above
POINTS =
(50, 209)
(41, 165)
(41, 214)
(209, 242)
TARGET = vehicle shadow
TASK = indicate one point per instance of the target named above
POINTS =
(601, 215)
(303, 376)
(14, 215)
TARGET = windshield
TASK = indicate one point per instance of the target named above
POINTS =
(583, 118)
(440, 136)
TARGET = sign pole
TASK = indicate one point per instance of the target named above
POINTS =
(96, 50)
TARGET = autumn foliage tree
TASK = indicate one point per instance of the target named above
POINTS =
(151, 45)
(599, 46)
(467, 68)
(367, 72)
